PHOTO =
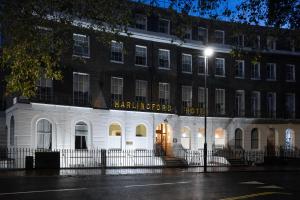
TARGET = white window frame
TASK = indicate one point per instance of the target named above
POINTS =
(205, 70)
(271, 43)
(243, 74)
(139, 89)
(206, 38)
(269, 72)
(223, 36)
(169, 61)
(146, 60)
(187, 95)
(241, 107)
(188, 31)
(257, 110)
(251, 73)
(294, 103)
(293, 73)
(191, 66)
(224, 72)
(112, 87)
(89, 85)
(89, 51)
(201, 97)
(274, 110)
(139, 16)
(122, 51)
(220, 100)
(166, 95)
(163, 19)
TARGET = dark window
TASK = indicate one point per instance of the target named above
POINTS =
(81, 87)
(238, 139)
(254, 138)
(81, 133)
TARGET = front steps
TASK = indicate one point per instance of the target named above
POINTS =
(175, 162)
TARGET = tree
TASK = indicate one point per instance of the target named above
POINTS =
(37, 33)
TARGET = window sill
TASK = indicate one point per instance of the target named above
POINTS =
(118, 62)
(137, 65)
(186, 72)
(220, 76)
(162, 68)
(255, 79)
(79, 56)
(271, 80)
(290, 81)
(201, 74)
(239, 77)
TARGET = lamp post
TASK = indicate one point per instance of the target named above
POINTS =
(207, 53)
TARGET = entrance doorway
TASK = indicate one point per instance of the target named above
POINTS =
(271, 142)
(161, 138)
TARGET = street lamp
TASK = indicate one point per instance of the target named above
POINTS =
(207, 53)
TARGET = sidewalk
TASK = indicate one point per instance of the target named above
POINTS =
(164, 171)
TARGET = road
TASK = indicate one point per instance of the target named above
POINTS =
(179, 185)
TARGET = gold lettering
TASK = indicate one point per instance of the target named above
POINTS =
(122, 104)
(133, 105)
(169, 108)
(142, 106)
(128, 104)
(192, 111)
(153, 106)
(163, 108)
(116, 104)
(158, 107)
(148, 106)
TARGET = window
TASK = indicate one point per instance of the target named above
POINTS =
(164, 26)
(255, 104)
(12, 131)
(81, 45)
(239, 69)
(141, 21)
(254, 138)
(141, 131)
(220, 67)
(219, 37)
(201, 98)
(116, 89)
(141, 90)
(271, 71)
(186, 63)
(44, 89)
(290, 105)
(290, 73)
(255, 71)
(271, 104)
(187, 96)
(116, 54)
(44, 134)
(188, 34)
(201, 65)
(271, 43)
(164, 59)
(238, 138)
(81, 133)
(164, 93)
(115, 130)
(239, 40)
(219, 138)
(140, 55)
(220, 101)
(289, 139)
(240, 103)
(81, 88)
(256, 42)
(202, 35)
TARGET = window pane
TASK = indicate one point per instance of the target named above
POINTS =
(81, 45)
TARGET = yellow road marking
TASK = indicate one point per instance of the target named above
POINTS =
(255, 195)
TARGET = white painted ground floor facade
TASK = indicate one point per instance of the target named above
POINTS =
(66, 127)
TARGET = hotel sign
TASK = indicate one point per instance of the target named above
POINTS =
(194, 111)
(141, 106)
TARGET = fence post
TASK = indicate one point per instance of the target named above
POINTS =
(103, 160)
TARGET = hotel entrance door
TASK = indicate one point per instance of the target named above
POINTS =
(161, 139)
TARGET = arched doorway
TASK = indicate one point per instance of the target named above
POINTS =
(289, 138)
(44, 134)
(115, 136)
(186, 137)
(219, 138)
(200, 138)
(238, 139)
(271, 142)
(162, 135)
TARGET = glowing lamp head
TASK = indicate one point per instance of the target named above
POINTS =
(208, 52)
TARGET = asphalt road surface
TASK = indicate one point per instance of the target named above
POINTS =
(220, 186)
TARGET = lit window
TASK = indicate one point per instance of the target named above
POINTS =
(140, 55)
(164, 26)
(164, 59)
(290, 72)
(81, 133)
(44, 134)
(219, 37)
(186, 63)
(220, 67)
(141, 22)
(141, 131)
(116, 51)
(141, 90)
(115, 130)
(81, 88)
(271, 71)
(116, 89)
(81, 45)
(239, 69)
(164, 93)
(187, 96)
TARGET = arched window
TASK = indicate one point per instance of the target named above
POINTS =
(141, 131)
(115, 130)
(186, 137)
(44, 134)
(81, 134)
(238, 138)
(12, 131)
(219, 138)
(289, 138)
(254, 138)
